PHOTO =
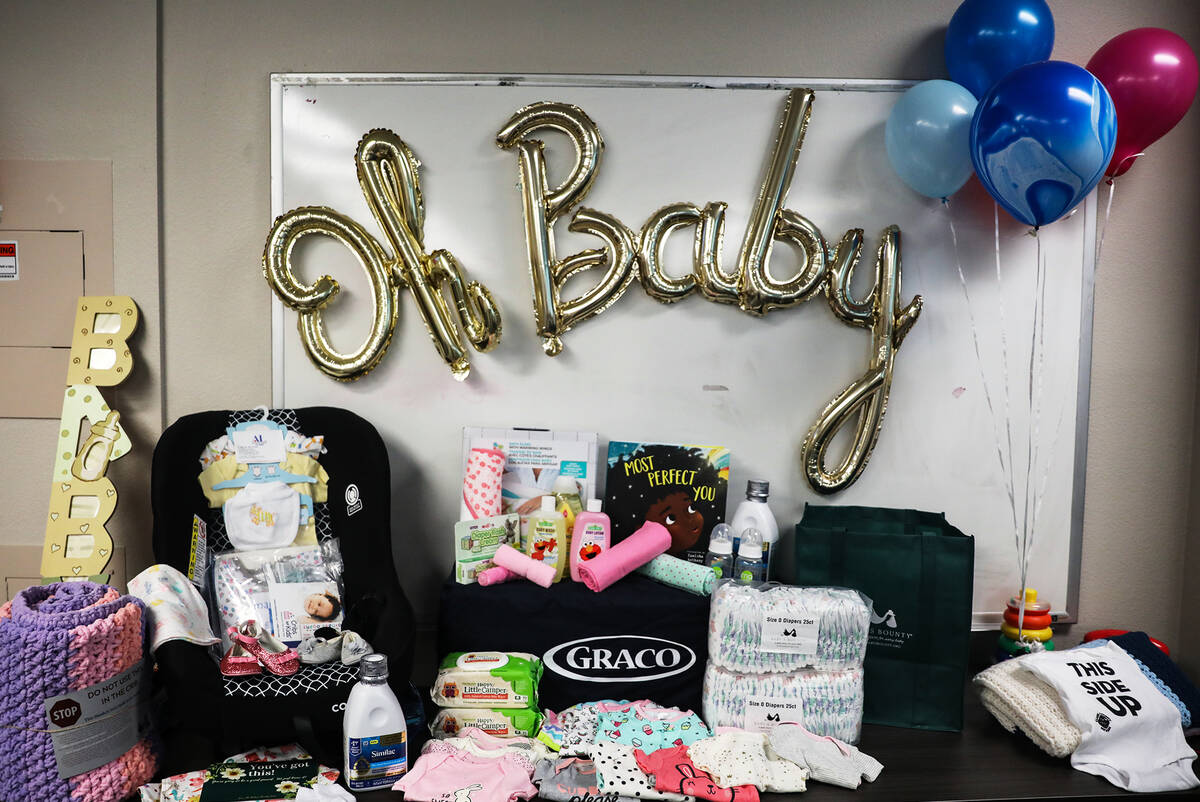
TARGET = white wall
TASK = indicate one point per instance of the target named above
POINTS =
(83, 77)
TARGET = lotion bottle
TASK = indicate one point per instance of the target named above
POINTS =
(592, 536)
(753, 513)
(374, 733)
(547, 537)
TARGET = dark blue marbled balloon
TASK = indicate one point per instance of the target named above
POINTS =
(1041, 138)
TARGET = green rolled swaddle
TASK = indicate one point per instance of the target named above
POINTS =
(677, 573)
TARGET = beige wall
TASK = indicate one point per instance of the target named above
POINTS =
(215, 207)
(79, 81)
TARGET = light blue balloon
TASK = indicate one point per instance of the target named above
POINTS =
(1041, 139)
(928, 137)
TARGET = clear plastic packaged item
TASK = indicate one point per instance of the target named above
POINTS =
(292, 591)
(825, 702)
(776, 628)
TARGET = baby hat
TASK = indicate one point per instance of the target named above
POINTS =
(263, 515)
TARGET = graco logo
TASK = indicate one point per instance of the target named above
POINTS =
(619, 658)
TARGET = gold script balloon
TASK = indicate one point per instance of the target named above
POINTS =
(543, 205)
(759, 291)
(866, 398)
(388, 173)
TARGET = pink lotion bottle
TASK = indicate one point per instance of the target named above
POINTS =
(591, 536)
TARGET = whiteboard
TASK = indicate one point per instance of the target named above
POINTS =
(695, 371)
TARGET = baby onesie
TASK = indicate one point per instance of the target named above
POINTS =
(579, 723)
(745, 758)
(673, 770)
(453, 775)
(478, 743)
(617, 770)
(571, 779)
(650, 728)
(827, 759)
(1131, 734)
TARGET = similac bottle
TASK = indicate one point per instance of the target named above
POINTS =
(547, 537)
(592, 535)
(753, 513)
(375, 736)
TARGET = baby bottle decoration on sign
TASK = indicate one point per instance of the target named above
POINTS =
(389, 175)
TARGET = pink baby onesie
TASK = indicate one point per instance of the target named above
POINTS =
(457, 776)
(673, 770)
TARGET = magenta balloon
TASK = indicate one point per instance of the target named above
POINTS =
(1151, 75)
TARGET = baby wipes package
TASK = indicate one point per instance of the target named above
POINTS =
(487, 680)
(503, 723)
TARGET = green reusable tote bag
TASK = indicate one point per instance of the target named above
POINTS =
(918, 571)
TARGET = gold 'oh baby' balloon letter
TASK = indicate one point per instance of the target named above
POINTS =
(751, 286)
(553, 315)
(390, 181)
(867, 396)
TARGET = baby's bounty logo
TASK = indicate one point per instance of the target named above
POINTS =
(619, 658)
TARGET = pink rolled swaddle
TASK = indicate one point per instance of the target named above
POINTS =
(481, 483)
(630, 554)
(523, 565)
(495, 575)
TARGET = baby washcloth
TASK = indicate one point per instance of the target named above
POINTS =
(174, 607)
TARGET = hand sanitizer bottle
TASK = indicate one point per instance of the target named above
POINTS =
(749, 568)
(754, 513)
(720, 551)
(375, 737)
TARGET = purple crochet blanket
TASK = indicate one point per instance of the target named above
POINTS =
(55, 639)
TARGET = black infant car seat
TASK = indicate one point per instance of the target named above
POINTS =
(208, 716)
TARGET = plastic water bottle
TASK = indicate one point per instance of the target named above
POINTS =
(749, 568)
(374, 729)
(720, 551)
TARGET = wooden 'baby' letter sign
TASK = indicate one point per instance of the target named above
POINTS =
(82, 498)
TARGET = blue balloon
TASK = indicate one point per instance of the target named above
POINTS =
(988, 39)
(1041, 138)
(928, 137)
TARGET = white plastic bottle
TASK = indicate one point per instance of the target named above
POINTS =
(753, 513)
(374, 735)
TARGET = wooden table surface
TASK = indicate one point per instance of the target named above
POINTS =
(983, 762)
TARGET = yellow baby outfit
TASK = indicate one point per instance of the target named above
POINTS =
(228, 467)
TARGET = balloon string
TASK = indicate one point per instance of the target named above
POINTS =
(1037, 348)
(987, 395)
(1112, 188)
(1007, 392)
